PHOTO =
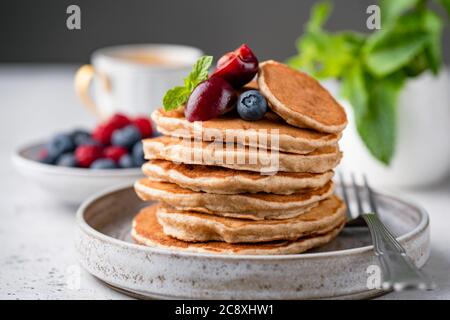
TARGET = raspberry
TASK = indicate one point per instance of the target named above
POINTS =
(118, 121)
(144, 125)
(114, 153)
(103, 133)
(43, 153)
(86, 154)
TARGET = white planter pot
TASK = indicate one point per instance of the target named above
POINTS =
(422, 154)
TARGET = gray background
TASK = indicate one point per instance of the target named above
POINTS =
(35, 31)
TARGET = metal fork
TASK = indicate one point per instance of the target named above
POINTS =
(398, 270)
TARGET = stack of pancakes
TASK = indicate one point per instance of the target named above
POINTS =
(228, 185)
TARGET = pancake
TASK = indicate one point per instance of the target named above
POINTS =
(239, 157)
(271, 132)
(214, 179)
(300, 99)
(200, 227)
(264, 204)
(147, 231)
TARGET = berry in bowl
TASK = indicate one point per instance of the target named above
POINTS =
(73, 165)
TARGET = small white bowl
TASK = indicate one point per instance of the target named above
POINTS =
(68, 185)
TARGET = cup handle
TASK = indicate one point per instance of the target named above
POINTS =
(83, 79)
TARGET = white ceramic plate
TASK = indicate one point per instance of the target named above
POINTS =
(69, 185)
(337, 270)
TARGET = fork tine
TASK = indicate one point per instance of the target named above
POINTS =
(373, 206)
(345, 196)
(357, 195)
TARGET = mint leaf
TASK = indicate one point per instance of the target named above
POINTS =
(320, 13)
(394, 47)
(326, 55)
(402, 42)
(446, 5)
(175, 98)
(391, 55)
(374, 67)
(178, 96)
(321, 53)
(433, 25)
(416, 66)
(391, 10)
(374, 104)
(199, 72)
(377, 126)
(355, 90)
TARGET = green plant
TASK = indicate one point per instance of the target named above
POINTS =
(373, 68)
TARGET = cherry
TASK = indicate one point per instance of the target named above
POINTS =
(237, 67)
(224, 59)
(210, 99)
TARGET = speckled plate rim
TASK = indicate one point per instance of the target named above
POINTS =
(137, 295)
(85, 227)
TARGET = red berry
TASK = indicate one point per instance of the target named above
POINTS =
(103, 133)
(114, 152)
(118, 121)
(144, 125)
(86, 154)
(210, 99)
(237, 67)
(43, 153)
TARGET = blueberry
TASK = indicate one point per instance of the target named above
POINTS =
(156, 134)
(138, 154)
(67, 160)
(126, 137)
(83, 137)
(59, 144)
(47, 158)
(103, 163)
(251, 105)
(126, 161)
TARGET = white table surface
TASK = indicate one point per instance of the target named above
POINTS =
(37, 256)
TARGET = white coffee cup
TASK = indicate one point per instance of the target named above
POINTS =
(133, 79)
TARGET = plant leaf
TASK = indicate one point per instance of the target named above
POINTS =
(392, 9)
(326, 55)
(175, 98)
(377, 127)
(374, 106)
(394, 54)
(178, 96)
(392, 48)
(320, 13)
(199, 72)
(433, 25)
(354, 89)
(446, 5)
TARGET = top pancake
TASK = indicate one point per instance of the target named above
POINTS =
(300, 99)
(271, 132)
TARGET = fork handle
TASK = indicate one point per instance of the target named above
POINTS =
(398, 271)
